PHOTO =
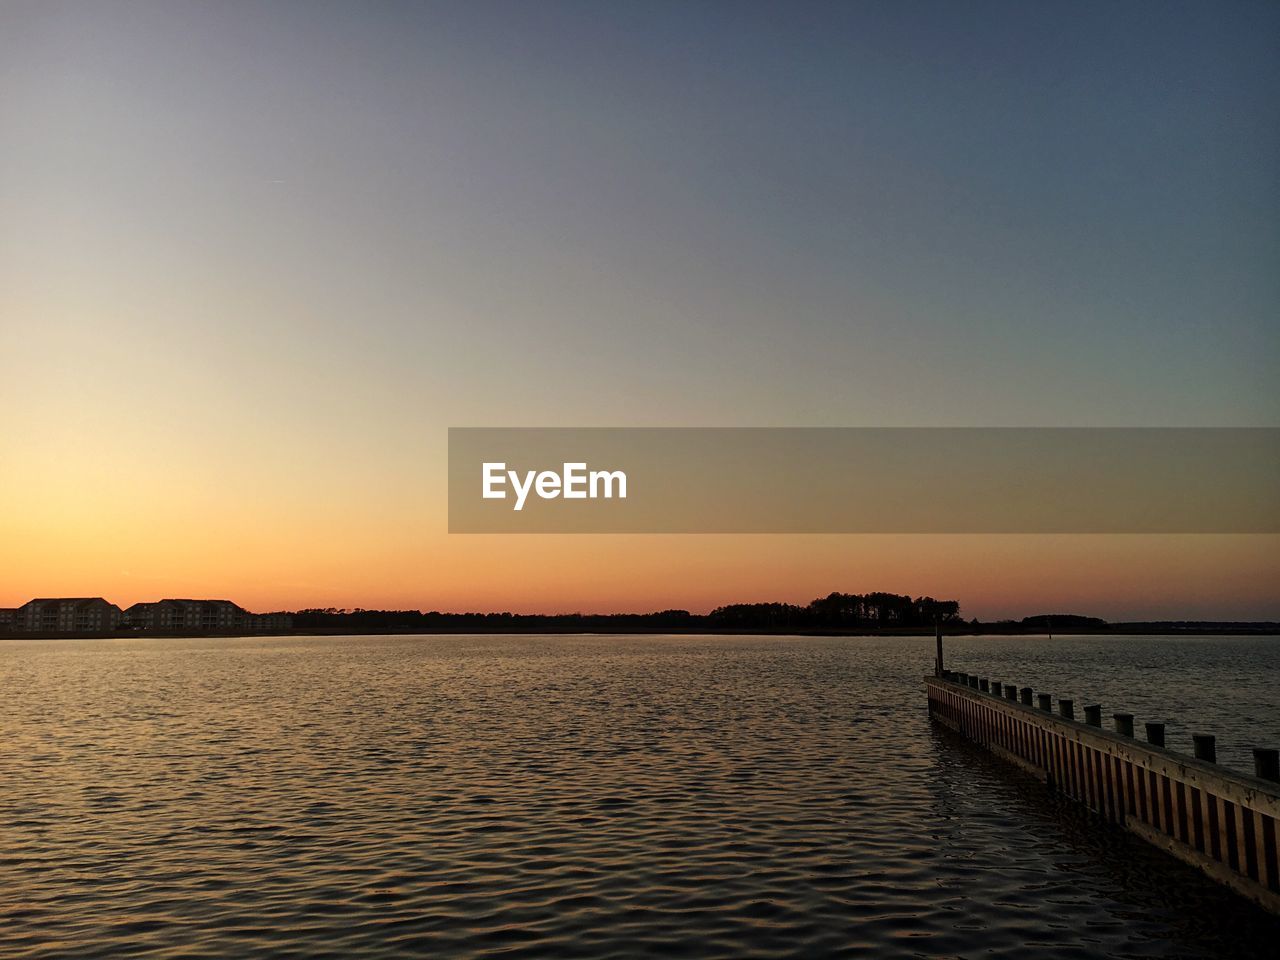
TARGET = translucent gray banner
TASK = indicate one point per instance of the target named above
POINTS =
(864, 480)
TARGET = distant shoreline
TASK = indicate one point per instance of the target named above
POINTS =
(1170, 628)
(835, 615)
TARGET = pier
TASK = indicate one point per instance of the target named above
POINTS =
(1218, 820)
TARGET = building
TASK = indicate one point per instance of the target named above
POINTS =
(201, 616)
(72, 615)
(67, 615)
(184, 616)
(270, 622)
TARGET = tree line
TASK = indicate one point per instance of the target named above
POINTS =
(835, 612)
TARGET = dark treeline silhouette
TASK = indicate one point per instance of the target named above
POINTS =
(331, 620)
(838, 612)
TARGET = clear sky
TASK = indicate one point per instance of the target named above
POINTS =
(255, 258)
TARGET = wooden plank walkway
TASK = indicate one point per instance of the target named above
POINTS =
(1218, 820)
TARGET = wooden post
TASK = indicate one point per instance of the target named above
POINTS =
(995, 688)
(1206, 746)
(1124, 724)
(1045, 702)
(1093, 714)
(984, 685)
(1011, 692)
(1026, 696)
(1266, 764)
(937, 633)
(1067, 708)
(1155, 734)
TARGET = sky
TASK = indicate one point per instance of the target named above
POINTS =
(256, 258)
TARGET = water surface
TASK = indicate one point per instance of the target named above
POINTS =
(584, 797)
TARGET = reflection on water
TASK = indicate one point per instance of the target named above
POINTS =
(579, 796)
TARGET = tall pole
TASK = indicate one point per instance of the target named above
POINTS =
(937, 629)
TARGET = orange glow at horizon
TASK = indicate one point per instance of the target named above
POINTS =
(180, 486)
(315, 557)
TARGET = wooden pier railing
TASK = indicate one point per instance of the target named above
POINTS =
(1221, 821)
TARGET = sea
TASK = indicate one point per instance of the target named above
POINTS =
(589, 796)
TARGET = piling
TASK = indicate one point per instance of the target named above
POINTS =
(1026, 695)
(1045, 702)
(1206, 747)
(1093, 714)
(1155, 733)
(984, 685)
(1266, 764)
(1010, 692)
(1067, 708)
(995, 688)
(973, 681)
(1124, 724)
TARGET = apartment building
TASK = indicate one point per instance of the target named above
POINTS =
(201, 616)
(185, 615)
(74, 615)
(67, 615)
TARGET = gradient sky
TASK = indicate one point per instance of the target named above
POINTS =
(255, 258)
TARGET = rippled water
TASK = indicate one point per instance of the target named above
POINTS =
(581, 797)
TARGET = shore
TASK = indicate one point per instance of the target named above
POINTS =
(1171, 628)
